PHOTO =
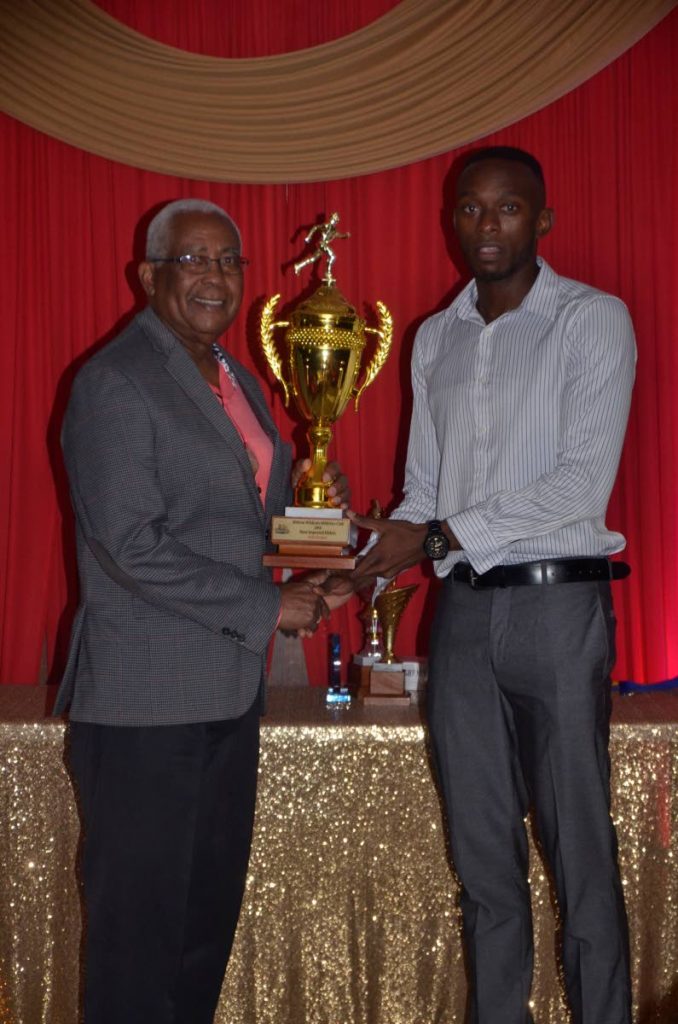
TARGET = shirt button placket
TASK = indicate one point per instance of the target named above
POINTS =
(482, 407)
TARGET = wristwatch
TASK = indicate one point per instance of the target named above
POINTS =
(436, 544)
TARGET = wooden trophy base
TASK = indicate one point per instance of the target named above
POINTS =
(371, 701)
(312, 541)
(319, 561)
(387, 687)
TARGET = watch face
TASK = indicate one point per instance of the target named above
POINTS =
(436, 545)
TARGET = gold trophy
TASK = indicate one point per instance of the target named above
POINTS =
(387, 676)
(325, 339)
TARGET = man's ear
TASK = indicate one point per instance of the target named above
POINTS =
(545, 221)
(147, 277)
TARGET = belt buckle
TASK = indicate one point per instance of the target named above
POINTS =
(472, 577)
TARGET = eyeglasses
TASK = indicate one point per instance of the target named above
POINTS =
(196, 263)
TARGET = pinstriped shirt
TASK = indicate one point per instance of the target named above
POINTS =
(517, 425)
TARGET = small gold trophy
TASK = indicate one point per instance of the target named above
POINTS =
(387, 676)
(325, 339)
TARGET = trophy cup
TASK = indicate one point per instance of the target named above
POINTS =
(387, 676)
(325, 339)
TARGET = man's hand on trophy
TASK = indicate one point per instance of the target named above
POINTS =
(400, 545)
(339, 491)
(302, 606)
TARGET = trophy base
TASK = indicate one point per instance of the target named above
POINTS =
(386, 686)
(383, 701)
(338, 696)
(311, 539)
(310, 561)
(387, 680)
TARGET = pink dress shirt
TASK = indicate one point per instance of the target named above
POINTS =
(257, 443)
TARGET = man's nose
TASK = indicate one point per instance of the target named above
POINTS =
(488, 221)
(214, 268)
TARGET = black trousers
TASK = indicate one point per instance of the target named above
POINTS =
(167, 815)
(519, 706)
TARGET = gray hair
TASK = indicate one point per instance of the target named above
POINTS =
(157, 236)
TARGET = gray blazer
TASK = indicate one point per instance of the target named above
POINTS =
(176, 610)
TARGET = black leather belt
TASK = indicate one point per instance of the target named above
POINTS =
(557, 570)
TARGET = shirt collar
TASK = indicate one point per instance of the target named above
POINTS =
(541, 300)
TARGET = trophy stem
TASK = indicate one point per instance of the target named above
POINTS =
(390, 605)
(311, 491)
(389, 629)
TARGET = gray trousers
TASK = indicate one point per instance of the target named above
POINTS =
(519, 707)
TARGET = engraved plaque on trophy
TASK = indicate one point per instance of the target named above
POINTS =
(325, 339)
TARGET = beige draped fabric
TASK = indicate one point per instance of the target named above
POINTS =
(425, 78)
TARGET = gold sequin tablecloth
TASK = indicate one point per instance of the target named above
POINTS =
(350, 914)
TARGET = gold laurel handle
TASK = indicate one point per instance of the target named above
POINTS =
(385, 335)
(266, 328)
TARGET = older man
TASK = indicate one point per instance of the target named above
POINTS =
(521, 395)
(175, 468)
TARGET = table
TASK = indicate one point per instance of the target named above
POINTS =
(350, 914)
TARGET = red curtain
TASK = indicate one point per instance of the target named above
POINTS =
(71, 227)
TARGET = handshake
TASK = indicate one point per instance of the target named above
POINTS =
(305, 602)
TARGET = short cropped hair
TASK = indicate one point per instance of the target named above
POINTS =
(157, 236)
(519, 156)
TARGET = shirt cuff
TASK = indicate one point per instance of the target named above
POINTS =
(476, 540)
